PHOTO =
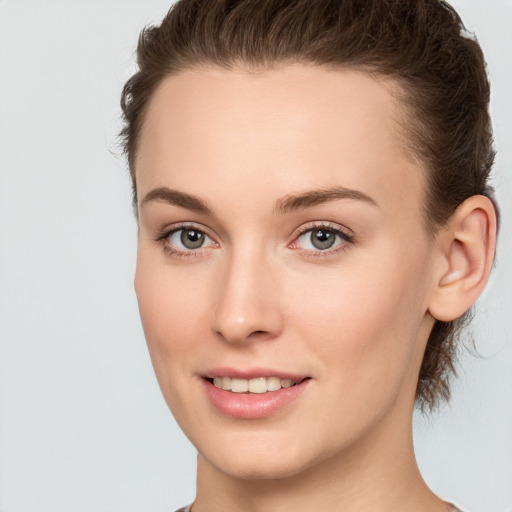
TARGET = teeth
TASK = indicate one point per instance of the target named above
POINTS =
(257, 385)
(286, 383)
(226, 383)
(273, 383)
(239, 385)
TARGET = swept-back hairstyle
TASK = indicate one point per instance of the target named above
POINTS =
(421, 44)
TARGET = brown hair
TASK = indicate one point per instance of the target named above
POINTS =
(421, 44)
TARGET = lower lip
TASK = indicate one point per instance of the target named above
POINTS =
(251, 406)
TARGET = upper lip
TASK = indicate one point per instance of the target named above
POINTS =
(252, 373)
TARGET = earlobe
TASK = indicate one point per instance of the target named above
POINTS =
(466, 254)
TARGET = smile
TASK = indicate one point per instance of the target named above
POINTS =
(253, 394)
(258, 385)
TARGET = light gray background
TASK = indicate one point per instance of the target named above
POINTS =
(83, 426)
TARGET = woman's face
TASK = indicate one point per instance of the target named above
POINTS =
(281, 239)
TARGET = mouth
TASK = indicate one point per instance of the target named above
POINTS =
(254, 393)
(257, 385)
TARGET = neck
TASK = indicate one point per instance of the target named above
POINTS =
(379, 474)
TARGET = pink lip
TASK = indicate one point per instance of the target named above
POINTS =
(253, 405)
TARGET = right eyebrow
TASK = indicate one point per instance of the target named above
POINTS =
(170, 196)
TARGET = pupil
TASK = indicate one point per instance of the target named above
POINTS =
(322, 238)
(192, 238)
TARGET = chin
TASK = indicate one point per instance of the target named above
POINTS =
(269, 468)
(268, 459)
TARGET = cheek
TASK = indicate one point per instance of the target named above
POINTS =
(173, 312)
(364, 324)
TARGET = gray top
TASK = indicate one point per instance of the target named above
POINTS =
(188, 508)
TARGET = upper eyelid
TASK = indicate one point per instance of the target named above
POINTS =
(172, 228)
(334, 226)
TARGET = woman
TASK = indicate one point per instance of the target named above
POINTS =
(315, 221)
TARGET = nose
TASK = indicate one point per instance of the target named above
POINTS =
(247, 305)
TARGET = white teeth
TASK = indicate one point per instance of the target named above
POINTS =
(273, 383)
(256, 385)
(226, 383)
(286, 383)
(239, 385)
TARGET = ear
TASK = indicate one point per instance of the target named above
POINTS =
(466, 254)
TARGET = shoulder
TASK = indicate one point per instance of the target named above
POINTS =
(184, 509)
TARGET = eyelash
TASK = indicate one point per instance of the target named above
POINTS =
(346, 236)
(163, 237)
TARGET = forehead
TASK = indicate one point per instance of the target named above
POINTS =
(296, 127)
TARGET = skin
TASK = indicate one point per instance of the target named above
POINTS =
(355, 318)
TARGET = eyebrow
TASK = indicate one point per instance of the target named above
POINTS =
(287, 204)
(311, 198)
(169, 196)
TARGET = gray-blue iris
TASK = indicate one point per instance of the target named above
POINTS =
(192, 238)
(322, 238)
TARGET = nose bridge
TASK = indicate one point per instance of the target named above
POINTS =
(246, 305)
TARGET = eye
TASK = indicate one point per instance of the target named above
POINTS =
(185, 240)
(188, 238)
(322, 238)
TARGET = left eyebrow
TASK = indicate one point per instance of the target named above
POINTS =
(311, 198)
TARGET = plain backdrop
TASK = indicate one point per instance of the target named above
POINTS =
(83, 426)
